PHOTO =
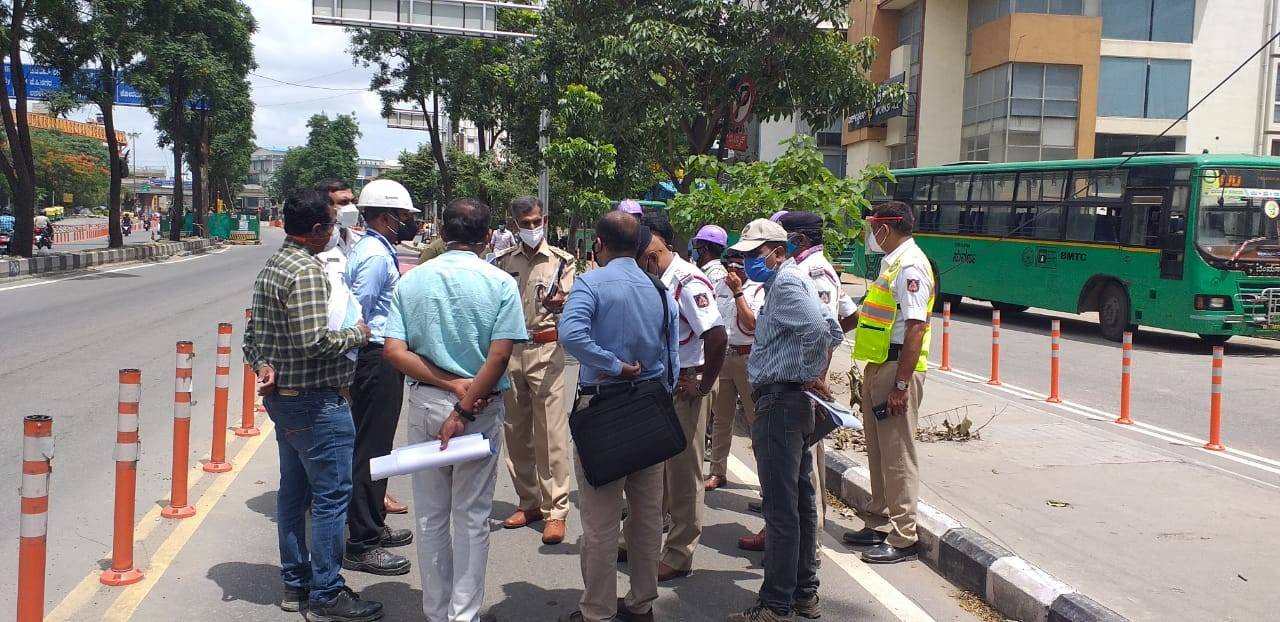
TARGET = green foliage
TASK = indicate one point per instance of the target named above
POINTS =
(330, 152)
(580, 156)
(733, 195)
(70, 164)
(494, 180)
(418, 174)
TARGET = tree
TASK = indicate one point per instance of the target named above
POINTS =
(496, 181)
(419, 175)
(73, 165)
(669, 72)
(231, 146)
(580, 156)
(330, 152)
(733, 195)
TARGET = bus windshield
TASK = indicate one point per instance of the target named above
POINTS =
(1240, 214)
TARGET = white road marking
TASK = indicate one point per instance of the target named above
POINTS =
(132, 267)
(901, 606)
(1177, 438)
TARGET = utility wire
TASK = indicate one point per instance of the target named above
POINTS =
(1041, 211)
(305, 86)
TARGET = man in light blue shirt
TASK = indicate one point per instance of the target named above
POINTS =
(377, 391)
(613, 323)
(452, 325)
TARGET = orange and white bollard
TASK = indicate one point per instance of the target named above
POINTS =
(1055, 362)
(247, 400)
(37, 451)
(1215, 403)
(946, 337)
(178, 506)
(122, 570)
(221, 393)
(1126, 372)
(995, 348)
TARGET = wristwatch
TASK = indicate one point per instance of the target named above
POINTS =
(464, 413)
(901, 385)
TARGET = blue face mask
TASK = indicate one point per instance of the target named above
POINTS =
(757, 270)
(695, 256)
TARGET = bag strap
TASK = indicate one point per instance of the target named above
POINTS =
(666, 329)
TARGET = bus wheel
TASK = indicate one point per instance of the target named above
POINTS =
(1215, 340)
(1005, 307)
(1113, 312)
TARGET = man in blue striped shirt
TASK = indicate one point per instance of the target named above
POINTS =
(795, 336)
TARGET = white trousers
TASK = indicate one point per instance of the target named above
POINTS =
(452, 507)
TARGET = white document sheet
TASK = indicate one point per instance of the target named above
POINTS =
(428, 455)
(841, 413)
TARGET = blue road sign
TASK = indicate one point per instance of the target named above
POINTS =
(42, 81)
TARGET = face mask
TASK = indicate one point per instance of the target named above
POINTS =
(758, 269)
(407, 231)
(873, 242)
(531, 237)
(334, 238)
(695, 256)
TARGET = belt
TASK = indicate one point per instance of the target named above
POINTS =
(546, 336)
(740, 350)
(418, 383)
(895, 351)
(601, 389)
(775, 387)
(287, 392)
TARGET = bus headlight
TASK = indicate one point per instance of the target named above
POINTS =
(1205, 302)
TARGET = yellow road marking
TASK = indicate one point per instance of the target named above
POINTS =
(880, 589)
(84, 592)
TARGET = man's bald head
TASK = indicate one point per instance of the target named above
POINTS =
(619, 233)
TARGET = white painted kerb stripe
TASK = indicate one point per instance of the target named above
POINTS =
(35, 485)
(34, 525)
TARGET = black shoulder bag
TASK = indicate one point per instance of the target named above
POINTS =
(629, 426)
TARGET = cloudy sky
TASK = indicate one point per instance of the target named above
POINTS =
(292, 49)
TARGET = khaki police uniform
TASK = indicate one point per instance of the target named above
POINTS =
(537, 424)
(733, 385)
(683, 492)
(891, 449)
(813, 262)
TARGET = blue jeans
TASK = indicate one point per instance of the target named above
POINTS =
(316, 437)
(785, 463)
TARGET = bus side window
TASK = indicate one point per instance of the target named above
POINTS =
(903, 189)
(949, 218)
(928, 220)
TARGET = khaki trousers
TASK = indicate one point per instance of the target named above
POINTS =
(601, 512)
(733, 386)
(891, 455)
(537, 429)
(683, 490)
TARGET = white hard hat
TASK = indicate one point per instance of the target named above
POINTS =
(348, 216)
(387, 194)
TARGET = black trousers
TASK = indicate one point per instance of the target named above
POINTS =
(377, 394)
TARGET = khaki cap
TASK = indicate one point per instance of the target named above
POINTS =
(758, 232)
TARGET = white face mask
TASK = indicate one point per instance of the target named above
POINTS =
(334, 238)
(531, 237)
(873, 242)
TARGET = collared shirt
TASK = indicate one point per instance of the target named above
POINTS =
(502, 240)
(912, 289)
(795, 332)
(290, 327)
(753, 293)
(450, 309)
(814, 263)
(535, 275)
(695, 297)
(372, 272)
(41, 221)
(715, 272)
(614, 315)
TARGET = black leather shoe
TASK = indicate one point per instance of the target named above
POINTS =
(863, 537)
(886, 553)
(294, 599)
(376, 561)
(392, 538)
(347, 606)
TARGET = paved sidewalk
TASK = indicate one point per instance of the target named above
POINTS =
(1153, 532)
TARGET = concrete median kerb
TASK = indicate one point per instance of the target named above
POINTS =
(54, 264)
(1010, 584)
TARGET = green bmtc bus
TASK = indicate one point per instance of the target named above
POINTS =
(1183, 242)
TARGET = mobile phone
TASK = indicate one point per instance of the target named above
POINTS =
(881, 411)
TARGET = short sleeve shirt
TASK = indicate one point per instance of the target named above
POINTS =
(451, 308)
(815, 265)
(754, 294)
(912, 290)
(535, 276)
(696, 300)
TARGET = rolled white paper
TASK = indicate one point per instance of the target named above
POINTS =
(428, 455)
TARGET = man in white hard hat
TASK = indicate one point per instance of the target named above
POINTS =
(377, 392)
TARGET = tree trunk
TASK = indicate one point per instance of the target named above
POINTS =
(116, 163)
(437, 147)
(175, 208)
(200, 186)
(17, 163)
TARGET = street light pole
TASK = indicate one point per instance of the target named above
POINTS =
(133, 169)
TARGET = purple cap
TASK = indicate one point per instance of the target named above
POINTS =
(630, 206)
(778, 215)
(714, 234)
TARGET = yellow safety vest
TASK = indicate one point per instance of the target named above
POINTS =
(880, 310)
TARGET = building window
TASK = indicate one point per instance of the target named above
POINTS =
(1021, 112)
(1149, 20)
(1275, 112)
(1140, 87)
(1117, 145)
(983, 11)
(902, 156)
(1275, 147)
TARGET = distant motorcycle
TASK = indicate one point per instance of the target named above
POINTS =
(5, 237)
(126, 228)
(44, 238)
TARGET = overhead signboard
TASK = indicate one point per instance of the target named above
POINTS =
(881, 112)
(43, 81)
(468, 18)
